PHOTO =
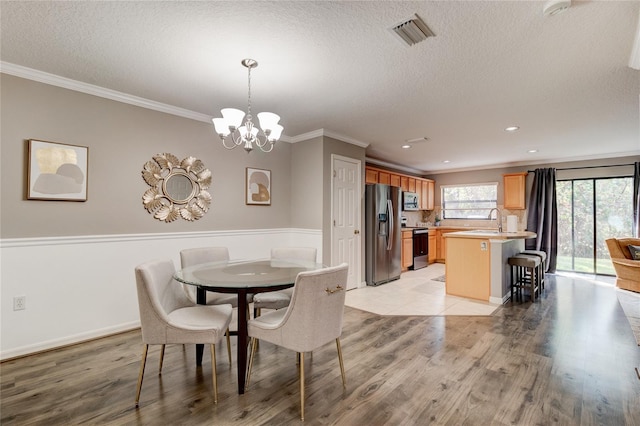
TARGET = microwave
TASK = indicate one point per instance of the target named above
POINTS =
(409, 201)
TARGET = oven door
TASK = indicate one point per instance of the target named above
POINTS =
(420, 248)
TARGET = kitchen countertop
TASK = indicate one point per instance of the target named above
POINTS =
(491, 233)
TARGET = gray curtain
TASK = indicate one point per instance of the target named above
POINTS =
(636, 199)
(543, 216)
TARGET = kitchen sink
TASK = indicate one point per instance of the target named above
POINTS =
(486, 231)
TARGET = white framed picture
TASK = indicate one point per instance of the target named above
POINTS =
(258, 187)
(57, 171)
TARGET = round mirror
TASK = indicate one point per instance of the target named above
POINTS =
(179, 188)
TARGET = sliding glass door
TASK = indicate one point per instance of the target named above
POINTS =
(589, 212)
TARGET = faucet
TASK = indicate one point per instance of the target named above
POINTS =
(498, 218)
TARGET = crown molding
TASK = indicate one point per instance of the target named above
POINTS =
(371, 160)
(327, 133)
(90, 89)
(114, 95)
(545, 162)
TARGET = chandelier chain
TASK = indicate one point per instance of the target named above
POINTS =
(249, 97)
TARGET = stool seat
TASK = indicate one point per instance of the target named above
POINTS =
(525, 273)
(543, 262)
(538, 253)
(525, 261)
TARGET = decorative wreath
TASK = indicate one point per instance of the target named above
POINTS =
(167, 203)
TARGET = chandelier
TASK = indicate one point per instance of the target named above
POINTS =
(234, 134)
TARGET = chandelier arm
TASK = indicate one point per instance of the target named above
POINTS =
(266, 150)
(261, 141)
(237, 141)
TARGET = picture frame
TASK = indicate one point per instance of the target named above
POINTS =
(258, 187)
(57, 171)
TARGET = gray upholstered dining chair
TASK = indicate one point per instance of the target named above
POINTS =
(280, 299)
(312, 319)
(167, 316)
(195, 256)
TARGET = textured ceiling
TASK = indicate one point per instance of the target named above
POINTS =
(563, 79)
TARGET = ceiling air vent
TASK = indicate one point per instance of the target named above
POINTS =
(412, 31)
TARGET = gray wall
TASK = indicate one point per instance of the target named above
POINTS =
(121, 139)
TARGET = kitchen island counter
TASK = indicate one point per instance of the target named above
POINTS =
(477, 263)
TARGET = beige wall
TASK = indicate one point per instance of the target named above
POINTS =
(306, 184)
(121, 138)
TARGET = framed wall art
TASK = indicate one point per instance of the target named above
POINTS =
(258, 187)
(57, 171)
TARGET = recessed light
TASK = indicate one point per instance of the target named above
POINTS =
(406, 146)
(531, 151)
(446, 161)
(512, 128)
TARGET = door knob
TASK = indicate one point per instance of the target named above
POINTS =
(357, 231)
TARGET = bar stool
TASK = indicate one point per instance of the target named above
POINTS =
(524, 274)
(543, 262)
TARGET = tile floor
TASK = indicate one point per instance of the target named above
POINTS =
(415, 293)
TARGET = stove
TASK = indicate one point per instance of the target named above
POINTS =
(420, 248)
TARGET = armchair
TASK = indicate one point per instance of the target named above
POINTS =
(627, 269)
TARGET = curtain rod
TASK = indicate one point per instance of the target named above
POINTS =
(590, 167)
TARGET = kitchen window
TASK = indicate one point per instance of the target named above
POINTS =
(470, 201)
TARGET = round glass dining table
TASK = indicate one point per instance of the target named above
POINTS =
(242, 278)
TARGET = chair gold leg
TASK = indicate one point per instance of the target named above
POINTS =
(229, 346)
(344, 380)
(301, 385)
(161, 359)
(213, 372)
(254, 345)
(141, 375)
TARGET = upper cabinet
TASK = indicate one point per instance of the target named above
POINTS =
(370, 175)
(423, 187)
(514, 190)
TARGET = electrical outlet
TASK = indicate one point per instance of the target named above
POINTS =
(19, 303)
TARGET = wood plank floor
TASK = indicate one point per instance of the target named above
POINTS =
(567, 359)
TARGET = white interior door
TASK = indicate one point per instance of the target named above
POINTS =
(346, 196)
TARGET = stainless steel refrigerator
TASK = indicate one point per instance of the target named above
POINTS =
(383, 234)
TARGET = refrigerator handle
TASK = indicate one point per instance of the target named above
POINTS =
(391, 230)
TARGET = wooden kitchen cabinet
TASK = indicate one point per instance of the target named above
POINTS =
(432, 246)
(407, 250)
(423, 187)
(514, 190)
(370, 175)
(384, 177)
(429, 194)
(404, 183)
(441, 245)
